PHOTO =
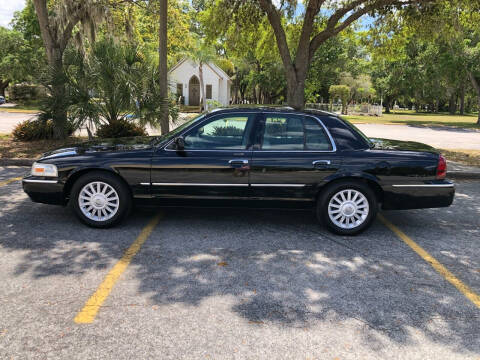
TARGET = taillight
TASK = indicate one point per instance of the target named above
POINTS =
(441, 168)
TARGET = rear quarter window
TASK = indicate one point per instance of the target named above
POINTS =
(345, 137)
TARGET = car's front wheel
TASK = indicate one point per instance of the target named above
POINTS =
(100, 199)
(347, 208)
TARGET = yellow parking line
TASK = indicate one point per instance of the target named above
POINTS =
(6, 182)
(442, 270)
(92, 306)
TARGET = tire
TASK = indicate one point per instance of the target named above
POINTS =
(347, 208)
(100, 199)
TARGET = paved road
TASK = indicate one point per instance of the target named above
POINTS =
(238, 284)
(8, 120)
(439, 137)
(447, 138)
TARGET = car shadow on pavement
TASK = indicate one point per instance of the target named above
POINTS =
(457, 129)
(10, 172)
(277, 268)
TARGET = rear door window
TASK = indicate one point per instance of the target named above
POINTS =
(294, 133)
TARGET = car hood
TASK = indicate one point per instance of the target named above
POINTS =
(388, 144)
(104, 145)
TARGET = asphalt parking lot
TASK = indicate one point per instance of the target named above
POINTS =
(237, 283)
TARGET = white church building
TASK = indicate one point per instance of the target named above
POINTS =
(185, 82)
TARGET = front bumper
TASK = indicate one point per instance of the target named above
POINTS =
(43, 190)
(434, 194)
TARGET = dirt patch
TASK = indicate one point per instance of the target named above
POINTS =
(467, 157)
(32, 149)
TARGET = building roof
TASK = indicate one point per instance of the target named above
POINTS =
(217, 70)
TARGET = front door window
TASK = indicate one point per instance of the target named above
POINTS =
(224, 133)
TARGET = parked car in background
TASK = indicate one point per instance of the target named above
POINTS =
(262, 157)
(2, 100)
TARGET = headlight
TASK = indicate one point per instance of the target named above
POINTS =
(44, 170)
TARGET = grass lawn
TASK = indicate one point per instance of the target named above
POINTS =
(31, 107)
(413, 118)
(32, 149)
(466, 157)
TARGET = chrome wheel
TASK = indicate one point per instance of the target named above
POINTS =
(98, 201)
(348, 209)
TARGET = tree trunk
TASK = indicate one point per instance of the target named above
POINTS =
(462, 101)
(387, 106)
(3, 85)
(54, 48)
(295, 92)
(59, 108)
(202, 87)
(452, 106)
(476, 85)
(162, 66)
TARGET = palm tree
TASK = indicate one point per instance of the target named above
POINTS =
(162, 66)
(202, 54)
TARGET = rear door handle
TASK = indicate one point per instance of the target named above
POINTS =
(238, 163)
(321, 164)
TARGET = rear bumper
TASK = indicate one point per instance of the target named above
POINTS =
(45, 191)
(419, 196)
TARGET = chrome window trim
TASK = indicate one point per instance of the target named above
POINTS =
(40, 181)
(427, 185)
(332, 141)
(200, 123)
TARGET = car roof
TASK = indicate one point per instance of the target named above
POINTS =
(270, 109)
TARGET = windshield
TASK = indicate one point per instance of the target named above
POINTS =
(357, 130)
(159, 139)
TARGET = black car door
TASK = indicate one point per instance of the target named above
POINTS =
(214, 164)
(293, 154)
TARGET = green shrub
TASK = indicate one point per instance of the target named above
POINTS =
(25, 92)
(213, 104)
(120, 128)
(38, 129)
(227, 131)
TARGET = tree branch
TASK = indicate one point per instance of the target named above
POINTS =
(276, 23)
(475, 82)
(68, 32)
(42, 15)
(332, 29)
(311, 12)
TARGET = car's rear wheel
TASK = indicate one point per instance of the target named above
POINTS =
(347, 208)
(100, 199)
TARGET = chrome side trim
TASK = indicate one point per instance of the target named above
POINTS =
(321, 162)
(236, 161)
(145, 184)
(428, 185)
(197, 184)
(40, 181)
(279, 185)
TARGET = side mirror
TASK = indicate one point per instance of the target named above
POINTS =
(180, 143)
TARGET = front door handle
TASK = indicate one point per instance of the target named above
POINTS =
(238, 163)
(321, 164)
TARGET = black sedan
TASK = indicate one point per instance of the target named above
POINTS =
(263, 157)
